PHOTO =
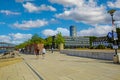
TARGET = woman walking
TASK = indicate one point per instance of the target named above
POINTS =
(43, 53)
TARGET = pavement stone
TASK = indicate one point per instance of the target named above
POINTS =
(61, 67)
(18, 71)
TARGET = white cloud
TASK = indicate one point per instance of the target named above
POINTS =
(115, 4)
(68, 3)
(50, 32)
(98, 30)
(30, 24)
(19, 36)
(5, 38)
(21, 1)
(83, 11)
(33, 8)
(7, 12)
(15, 38)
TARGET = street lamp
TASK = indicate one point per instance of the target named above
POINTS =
(53, 41)
(111, 12)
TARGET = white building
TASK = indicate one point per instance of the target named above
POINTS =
(76, 42)
(101, 41)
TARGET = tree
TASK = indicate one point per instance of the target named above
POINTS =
(59, 38)
(48, 42)
(92, 38)
(23, 45)
(100, 47)
(36, 39)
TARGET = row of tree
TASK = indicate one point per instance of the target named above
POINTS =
(48, 42)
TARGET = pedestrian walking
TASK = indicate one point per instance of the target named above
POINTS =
(37, 53)
(52, 49)
(43, 52)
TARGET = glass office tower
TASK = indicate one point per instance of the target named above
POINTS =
(73, 31)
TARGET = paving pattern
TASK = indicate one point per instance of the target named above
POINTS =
(56, 66)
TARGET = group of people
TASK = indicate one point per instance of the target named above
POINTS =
(42, 52)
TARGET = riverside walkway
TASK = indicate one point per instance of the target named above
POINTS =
(58, 66)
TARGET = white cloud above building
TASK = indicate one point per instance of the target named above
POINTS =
(50, 32)
(98, 30)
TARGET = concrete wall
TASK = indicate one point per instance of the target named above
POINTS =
(90, 54)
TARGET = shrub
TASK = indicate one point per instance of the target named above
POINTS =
(100, 47)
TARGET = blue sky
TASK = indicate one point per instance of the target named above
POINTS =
(20, 19)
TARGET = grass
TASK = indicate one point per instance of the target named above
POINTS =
(9, 61)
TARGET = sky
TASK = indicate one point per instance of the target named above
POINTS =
(21, 19)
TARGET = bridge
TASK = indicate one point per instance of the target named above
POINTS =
(5, 45)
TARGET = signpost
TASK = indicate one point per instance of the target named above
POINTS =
(115, 38)
(110, 35)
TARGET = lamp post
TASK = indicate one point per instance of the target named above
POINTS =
(53, 41)
(111, 12)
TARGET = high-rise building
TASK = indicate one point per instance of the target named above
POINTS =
(73, 31)
(74, 41)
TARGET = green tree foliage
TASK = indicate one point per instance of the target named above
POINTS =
(59, 39)
(92, 38)
(48, 41)
(100, 47)
(36, 39)
(23, 45)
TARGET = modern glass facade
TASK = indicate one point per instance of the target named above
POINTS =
(76, 42)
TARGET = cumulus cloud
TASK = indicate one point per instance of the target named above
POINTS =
(50, 32)
(98, 30)
(83, 11)
(5, 38)
(68, 3)
(30, 7)
(30, 24)
(15, 38)
(115, 4)
(8, 12)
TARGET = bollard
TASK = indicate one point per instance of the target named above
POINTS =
(116, 59)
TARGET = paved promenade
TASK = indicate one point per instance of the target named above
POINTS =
(58, 66)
